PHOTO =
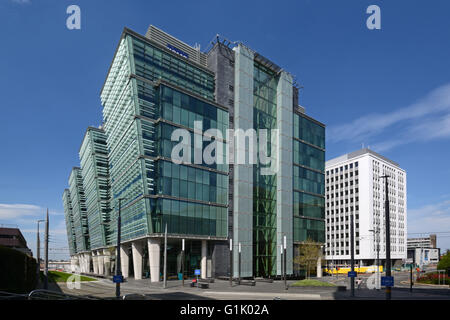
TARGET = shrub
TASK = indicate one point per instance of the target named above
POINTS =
(17, 271)
(433, 278)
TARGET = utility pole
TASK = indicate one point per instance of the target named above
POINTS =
(165, 258)
(46, 253)
(38, 252)
(378, 258)
(388, 236)
(231, 262)
(352, 255)
(118, 271)
(182, 262)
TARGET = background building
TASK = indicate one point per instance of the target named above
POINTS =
(423, 250)
(13, 238)
(156, 84)
(422, 242)
(354, 186)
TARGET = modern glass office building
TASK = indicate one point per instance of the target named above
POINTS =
(95, 172)
(157, 84)
(79, 213)
(70, 226)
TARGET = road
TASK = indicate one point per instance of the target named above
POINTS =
(221, 290)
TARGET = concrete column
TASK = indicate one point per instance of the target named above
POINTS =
(107, 261)
(124, 260)
(80, 263)
(95, 262)
(284, 170)
(137, 251)
(204, 257)
(83, 263)
(101, 264)
(154, 248)
(319, 267)
(88, 262)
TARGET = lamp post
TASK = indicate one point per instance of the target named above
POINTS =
(239, 247)
(182, 262)
(118, 271)
(377, 244)
(285, 261)
(231, 262)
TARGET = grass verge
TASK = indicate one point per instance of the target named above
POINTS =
(58, 276)
(312, 283)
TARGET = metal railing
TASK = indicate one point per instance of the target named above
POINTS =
(41, 294)
(12, 296)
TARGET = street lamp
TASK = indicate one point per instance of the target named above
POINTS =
(118, 271)
(375, 232)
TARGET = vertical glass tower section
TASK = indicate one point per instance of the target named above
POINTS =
(149, 92)
(70, 227)
(95, 171)
(78, 201)
(309, 179)
(265, 186)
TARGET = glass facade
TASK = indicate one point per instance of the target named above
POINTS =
(165, 92)
(264, 186)
(70, 227)
(78, 202)
(309, 179)
(95, 172)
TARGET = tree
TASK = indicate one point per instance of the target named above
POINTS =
(444, 264)
(309, 253)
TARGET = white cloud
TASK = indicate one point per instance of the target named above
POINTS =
(21, 1)
(18, 211)
(429, 219)
(425, 120)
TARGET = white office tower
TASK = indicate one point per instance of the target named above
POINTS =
(354, 185)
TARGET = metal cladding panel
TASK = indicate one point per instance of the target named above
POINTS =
(284, 166)
(243, 173)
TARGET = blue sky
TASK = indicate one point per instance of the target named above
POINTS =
(388, 88)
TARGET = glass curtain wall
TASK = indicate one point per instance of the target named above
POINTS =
(264, 186)
(309, 180)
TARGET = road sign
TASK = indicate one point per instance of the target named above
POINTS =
(197, 272)
(352, 274)
(117, 279)
(387, 281)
